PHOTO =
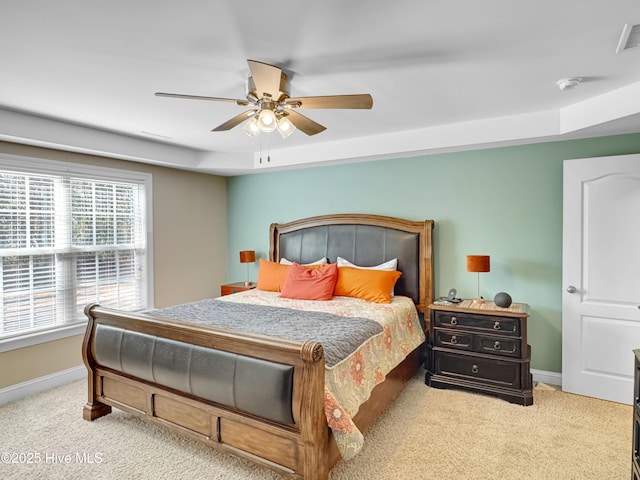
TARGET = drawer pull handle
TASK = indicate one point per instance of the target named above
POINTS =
(496, 326)
(454, 339)
(454, 321)
(497, 345)
(474, 369)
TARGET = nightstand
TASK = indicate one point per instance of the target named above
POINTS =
(482, 349)
(236, 287)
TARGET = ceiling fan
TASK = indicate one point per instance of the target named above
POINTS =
(267, 92)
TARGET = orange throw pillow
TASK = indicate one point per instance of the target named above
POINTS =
(305, 283)
(370, 285)
(271, 275)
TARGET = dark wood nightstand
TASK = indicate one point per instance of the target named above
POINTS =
(482, 349)
(236, 287)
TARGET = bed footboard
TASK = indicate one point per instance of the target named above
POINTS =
(177, 374)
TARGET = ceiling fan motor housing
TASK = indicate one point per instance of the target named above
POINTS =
(252, 91)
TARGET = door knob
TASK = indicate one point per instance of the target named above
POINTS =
(571, 289)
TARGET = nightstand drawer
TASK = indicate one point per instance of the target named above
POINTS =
(503, 346)
(481, 323)
(228, 290)
(453, 339)
(235, 288)
(498, 346)
(502, 373)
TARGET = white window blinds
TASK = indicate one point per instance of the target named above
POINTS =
(66, 241)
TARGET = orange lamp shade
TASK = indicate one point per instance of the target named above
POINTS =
(247, 256)
(478, 263)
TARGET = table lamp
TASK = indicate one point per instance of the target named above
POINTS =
(478, 263)
(248, 257)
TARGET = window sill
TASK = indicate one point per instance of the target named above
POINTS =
(35, 338)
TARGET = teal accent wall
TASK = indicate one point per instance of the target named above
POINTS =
(504, 202)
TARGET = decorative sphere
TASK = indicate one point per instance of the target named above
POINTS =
(502, 299)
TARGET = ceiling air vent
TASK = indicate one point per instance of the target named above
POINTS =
(630, 38)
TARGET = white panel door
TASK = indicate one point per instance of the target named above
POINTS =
(601, 276)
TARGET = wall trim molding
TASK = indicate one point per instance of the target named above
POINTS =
(40, 384)
(552, 378)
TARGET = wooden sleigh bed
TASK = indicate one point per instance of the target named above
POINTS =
(293, 439)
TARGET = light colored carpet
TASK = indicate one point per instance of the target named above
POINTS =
(426, 434)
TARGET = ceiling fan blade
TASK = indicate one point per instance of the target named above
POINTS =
(266, 79)
(304, 124)
(242, 103)
(237, 120)
(363, 100)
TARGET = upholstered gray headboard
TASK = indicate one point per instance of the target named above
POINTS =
(365, 240)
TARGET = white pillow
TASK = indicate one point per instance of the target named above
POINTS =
(389, 265)
(322, 261)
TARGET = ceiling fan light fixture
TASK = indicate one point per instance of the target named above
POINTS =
(285, 127)
(252, 128)
(267, 120)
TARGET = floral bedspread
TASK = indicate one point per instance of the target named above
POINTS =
(349, 383)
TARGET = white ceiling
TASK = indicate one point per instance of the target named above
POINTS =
(457, 74)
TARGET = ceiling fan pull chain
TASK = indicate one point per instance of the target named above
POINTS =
(268, 149)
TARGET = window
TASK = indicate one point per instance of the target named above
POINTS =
(70, 235)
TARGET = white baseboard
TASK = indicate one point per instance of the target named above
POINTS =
(552, 378)
(40, 384)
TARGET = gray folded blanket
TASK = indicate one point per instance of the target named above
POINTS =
(339, 336)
